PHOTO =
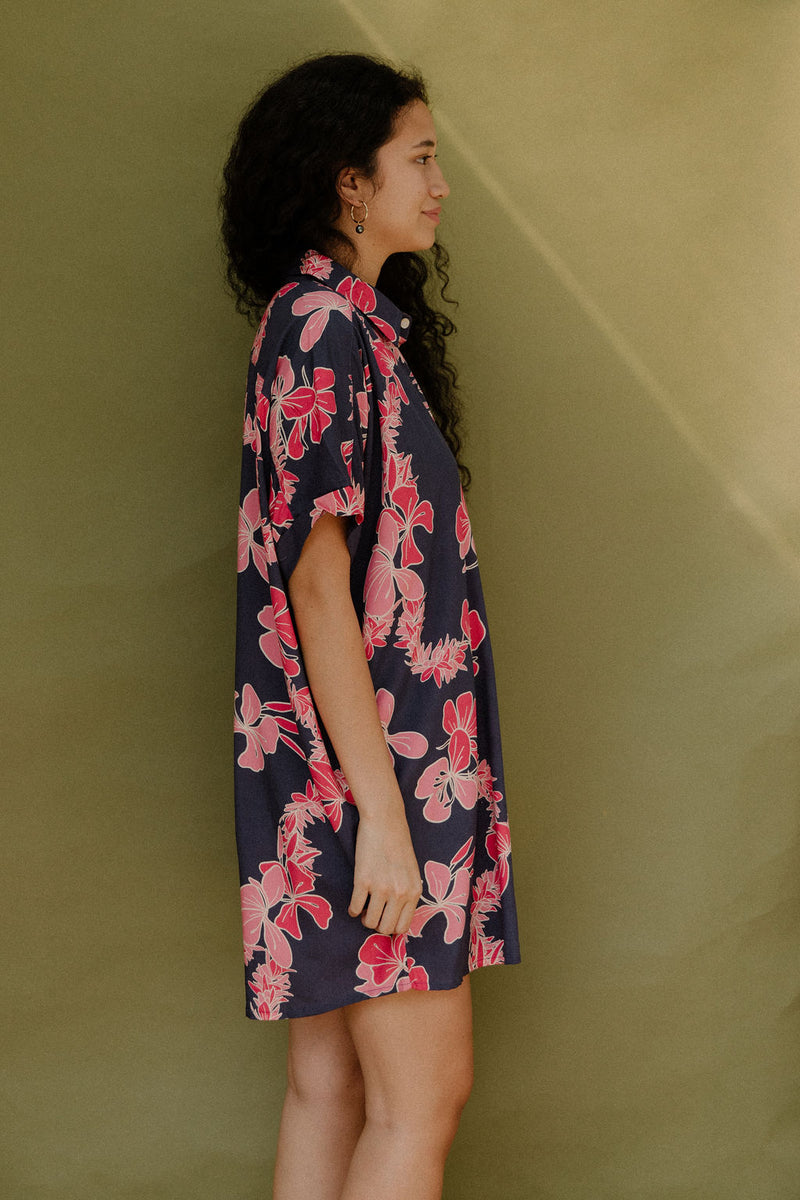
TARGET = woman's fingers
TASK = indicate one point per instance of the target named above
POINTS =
(358, 899)
(386, 876)
(372, 917)
(388, 913)
(403, 923)
(388, 921)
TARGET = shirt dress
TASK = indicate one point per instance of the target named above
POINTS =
(336, 423)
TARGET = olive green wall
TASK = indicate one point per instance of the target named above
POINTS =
(624, 238)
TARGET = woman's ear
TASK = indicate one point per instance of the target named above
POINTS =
(347, 185)
(354, 188)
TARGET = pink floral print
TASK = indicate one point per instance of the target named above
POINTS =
(335, 423)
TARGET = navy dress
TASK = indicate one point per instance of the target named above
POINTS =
(336, 423)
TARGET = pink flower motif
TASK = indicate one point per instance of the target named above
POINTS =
(386, 356)
(463, 529)
(473, 629)
(280, 513)
(484, 950)
(375, 630)
(416, 981)
(461, 718)
(249, 522)
(308, 409)
(299, 855)
(452, 777)
(384, 579)
(303, 707)
(269, 642)
(272, 989)
(498, 841)
(251, 434)
(259, 338)
(262, 327)
(389, 416)
(317, 908)
(318, 306)
(449, 889)
(362, 400)
(360, 294)
(318, 265)
(442, 782)
(331, 789)
(410, 512)
(498, 847)
(383, 960)
(261, 735)
(263, 726)
(344, 503)
(284, 626)
(408, 744)
(262, 403)
(258, 897)
(279, 643)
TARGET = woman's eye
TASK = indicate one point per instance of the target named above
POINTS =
(425, 158)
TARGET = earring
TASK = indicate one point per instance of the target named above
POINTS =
(359, 222)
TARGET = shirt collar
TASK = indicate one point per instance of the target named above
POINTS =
(387, 318)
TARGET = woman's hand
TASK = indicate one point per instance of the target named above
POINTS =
(386, 886)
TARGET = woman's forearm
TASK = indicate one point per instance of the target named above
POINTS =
(337, 669)
(386, 877)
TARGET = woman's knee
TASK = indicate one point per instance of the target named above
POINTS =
(332, 1085)
(322, 1066)
(430, 1107)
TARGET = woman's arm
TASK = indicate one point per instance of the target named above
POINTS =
(387, 880)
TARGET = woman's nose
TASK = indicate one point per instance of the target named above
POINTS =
(439, 186)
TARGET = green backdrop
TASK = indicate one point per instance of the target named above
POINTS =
(624, 234)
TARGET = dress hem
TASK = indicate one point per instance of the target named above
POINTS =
(328, 1007)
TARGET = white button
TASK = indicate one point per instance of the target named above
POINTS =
(404, 324)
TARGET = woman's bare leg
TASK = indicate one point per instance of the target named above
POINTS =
(323, 1113)
(415, 1050)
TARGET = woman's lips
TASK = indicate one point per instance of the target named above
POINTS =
(434, 214)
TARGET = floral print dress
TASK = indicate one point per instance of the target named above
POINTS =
(336, 423)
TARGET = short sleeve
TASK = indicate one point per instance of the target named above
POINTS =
(312, 406)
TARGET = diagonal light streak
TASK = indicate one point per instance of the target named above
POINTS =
(738, 497)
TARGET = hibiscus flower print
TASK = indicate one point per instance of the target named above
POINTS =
(385, 579)
(448, 888)
(408, 744)
(474, 631)
(452, 777)
(258, 897)
(249, 526)
(272, 988)
(385, 966)
(301, 411)
(279, 643)
(335, 425)
(263, 727)
(318, 265)
(318, 307)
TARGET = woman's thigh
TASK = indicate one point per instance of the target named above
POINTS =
(415, 1051)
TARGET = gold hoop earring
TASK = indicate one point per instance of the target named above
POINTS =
(359, 221)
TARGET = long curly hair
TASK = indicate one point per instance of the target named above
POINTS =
(279, 198)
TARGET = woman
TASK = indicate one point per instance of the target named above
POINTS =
(371, 823)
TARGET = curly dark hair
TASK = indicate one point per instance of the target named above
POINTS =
(279, 198)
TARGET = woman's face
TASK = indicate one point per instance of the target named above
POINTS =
(409, 188)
